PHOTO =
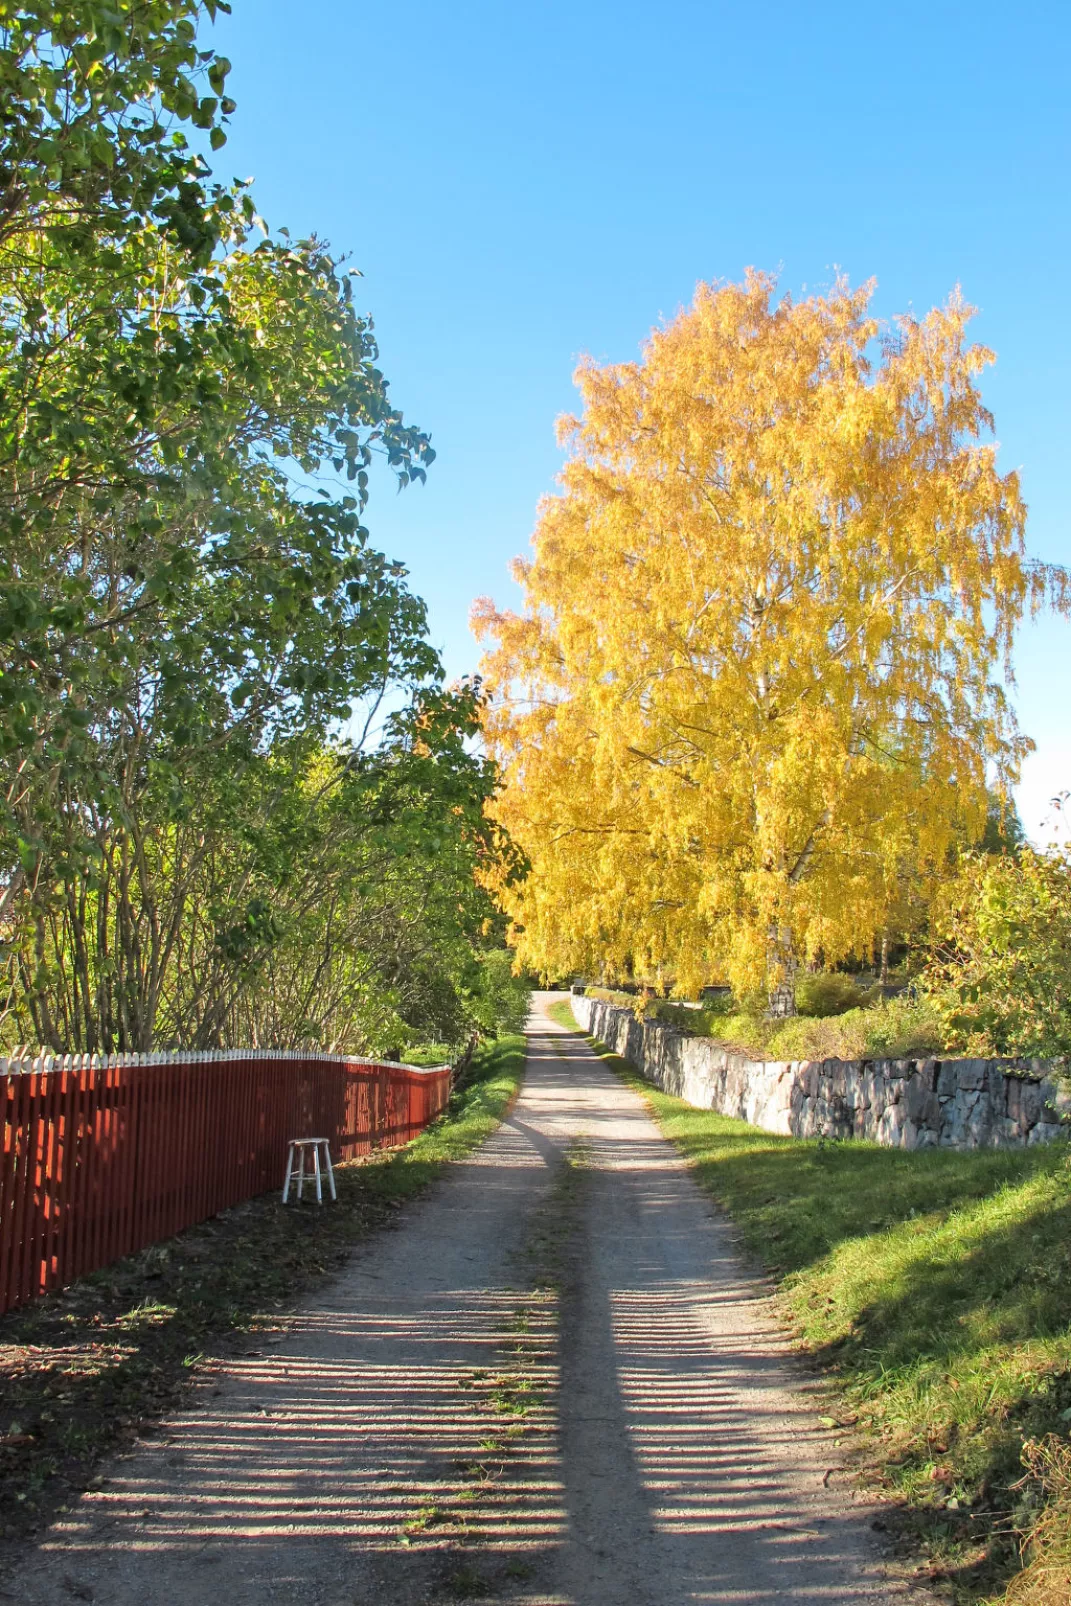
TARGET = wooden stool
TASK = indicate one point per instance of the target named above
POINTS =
(297, 1149)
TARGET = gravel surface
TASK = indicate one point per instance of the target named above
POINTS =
(554, 1383)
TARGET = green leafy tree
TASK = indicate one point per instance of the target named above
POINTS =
(1004, 831)
(187, 854)
(325, 895)
(386, 937)
(95, 96)
(1001, 965)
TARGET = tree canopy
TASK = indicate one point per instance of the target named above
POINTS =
(759, 678)
(190, 609)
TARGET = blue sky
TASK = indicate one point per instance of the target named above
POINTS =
(523, 183)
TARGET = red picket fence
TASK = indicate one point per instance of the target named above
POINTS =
(105, 1156)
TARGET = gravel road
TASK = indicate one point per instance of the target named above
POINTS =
(554, 1383)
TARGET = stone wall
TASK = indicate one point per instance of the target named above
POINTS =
(908, 1104)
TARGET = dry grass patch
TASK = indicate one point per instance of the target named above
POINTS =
(1046, 1576)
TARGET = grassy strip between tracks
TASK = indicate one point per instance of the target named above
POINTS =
(86, 1369)
(935, 1289)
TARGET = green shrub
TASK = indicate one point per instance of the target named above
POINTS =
(897, 1029)
(1001, 966)
(699, 1022)
(719, 1004)
(827, 993)
(427, 1055)
(499, 1001)
(608, 995)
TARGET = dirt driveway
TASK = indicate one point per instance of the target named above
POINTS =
(553, 1383)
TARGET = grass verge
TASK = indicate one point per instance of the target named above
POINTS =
(84, 1370)
(935, 1290)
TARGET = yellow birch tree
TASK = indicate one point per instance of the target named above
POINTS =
(760, 671)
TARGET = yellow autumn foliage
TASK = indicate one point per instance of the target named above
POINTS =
(756, 681)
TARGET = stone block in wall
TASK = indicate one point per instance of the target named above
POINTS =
(633, 1049)
(893, 1085)
(854, 1087)
(720, 1086)
(1031, 1102)
(661, 1050)
(979, 1122)
(926, 1071)
(772, 1108)
(1045, 1132)
(921, 1106)
(811, 1123)
(996, 1084)
(736, 1084)
(891, 1125)
(825, 1117)
(970, 1074)
(947, 1080)
(866, 1123)
(699, 1080)
(952, 1133)
(1056, 1095)
(873, 1087)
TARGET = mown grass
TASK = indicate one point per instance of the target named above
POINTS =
(86, 1369)
(935, 1288)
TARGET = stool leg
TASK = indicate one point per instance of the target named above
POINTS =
(316, 1172)
(330, 1171)
(289, 1171)
(301, 1170)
